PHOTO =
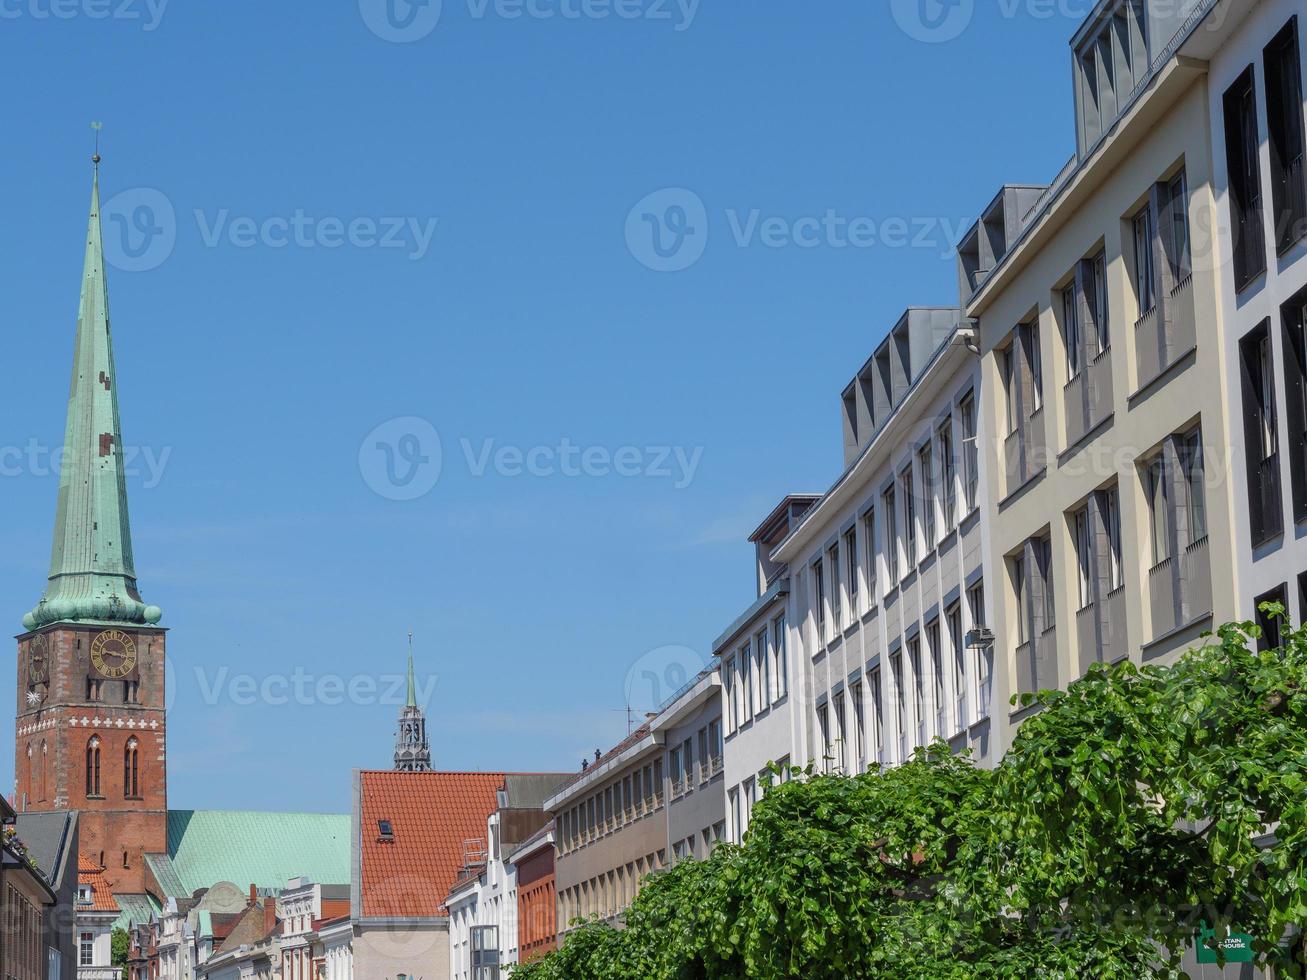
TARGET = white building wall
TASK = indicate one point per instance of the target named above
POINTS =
(1281, 561)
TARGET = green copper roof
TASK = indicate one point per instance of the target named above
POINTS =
(92, 574)
(135, 910)
(264, 849)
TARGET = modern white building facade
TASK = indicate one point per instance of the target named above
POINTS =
(886, 606)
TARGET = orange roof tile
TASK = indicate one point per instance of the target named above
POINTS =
(101, 894)
(433, 814)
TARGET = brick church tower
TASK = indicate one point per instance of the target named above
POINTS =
(90, 721)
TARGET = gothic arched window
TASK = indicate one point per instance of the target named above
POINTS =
(93, 766)
(131, 774)
(31, 787)
(45, 768)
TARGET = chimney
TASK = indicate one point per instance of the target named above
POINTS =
(254, 895)
(269, 916)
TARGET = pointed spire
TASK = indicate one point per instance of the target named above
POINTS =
(92, 571)
(412, 687)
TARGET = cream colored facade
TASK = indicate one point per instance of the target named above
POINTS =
(1110, 464)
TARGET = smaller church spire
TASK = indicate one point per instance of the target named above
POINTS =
(412, 749)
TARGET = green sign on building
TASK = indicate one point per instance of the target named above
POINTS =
(1237, 946)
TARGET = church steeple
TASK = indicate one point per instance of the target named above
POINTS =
(92, 572)
(412, 750)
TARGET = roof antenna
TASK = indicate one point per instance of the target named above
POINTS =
(97, 126)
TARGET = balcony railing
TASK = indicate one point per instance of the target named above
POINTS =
(1087, 637)
(1161, 597)
(1196, 579)
(1148, 347)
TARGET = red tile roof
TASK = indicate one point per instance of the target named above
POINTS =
(333, 909)
(433, 814)
(101, 894)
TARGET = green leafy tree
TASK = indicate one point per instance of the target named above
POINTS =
(120, 944)
(1132, 810)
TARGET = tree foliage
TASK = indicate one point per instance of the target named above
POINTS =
(1132, 810)
(120, 946)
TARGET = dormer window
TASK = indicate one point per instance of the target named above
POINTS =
(385, 831)
(84, 895)
(1111, 62)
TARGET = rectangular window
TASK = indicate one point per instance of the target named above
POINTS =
(900, 705)
(970, 451)
(890, 512)
(762, 667)
(1241, 155)
(841, 737)
(1010, 383)
(1177, 228)
(1145, 272)
(1261, 438)
(937, 676)
(1080, 524)
(1044, 558)
(1019, 577)
(1293, 318)
(1284, 120)
(729, 695)
(959, 650)
(869, 548)
(948, 474)
(819, 587)
(927, 463)
(1270, 625)
(836, 591)
(1158, 510)
(1195, 484)
(1096, 292)
(746, 681)
(86, 950)
(859, 728)
(782, 660)
(823, 726)
(918, 688)
(1071, 330)
(984, 655)
(909, 517)
(1034, 355)
(878, 720)
(1110, 504)
(851, 562)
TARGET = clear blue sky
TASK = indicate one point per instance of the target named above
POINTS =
(528, 320)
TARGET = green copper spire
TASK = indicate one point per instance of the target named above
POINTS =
(92, 574)
(412, 687)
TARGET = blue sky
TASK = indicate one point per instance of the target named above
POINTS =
(317, 231)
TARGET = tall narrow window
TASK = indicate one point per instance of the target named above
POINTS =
(93, 767)
(1019, 593)
(1195, 484)
(890, 512)
(948, 476)
(900, 705)
(1293, 319)
(1145, 273)
(836, 589)
(746, 681)
(927, 463)
(937, 676)
(859, 727)
(1035, 356)
(762, 668)
(819, 588)
(1083, 558)
(45, 768)
(918, 688)
(729, 696)
(1010, 383)
(1284, 118)
(1111, 507)
(1044, 557)
(841, 737)
(1158, 509)
(823, 727)
(909, 517)
(970, 451)
(1071, 330)
(1096, 293)
(878, 722)
(984, 655)
(1241, 144)
(1261, 439)
(869, 549)
(1177, 229)
(131, 771)
(782, 659)
(851, 566)
(959, 650)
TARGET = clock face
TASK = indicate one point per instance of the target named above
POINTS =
(113, 654)
(38, 662)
